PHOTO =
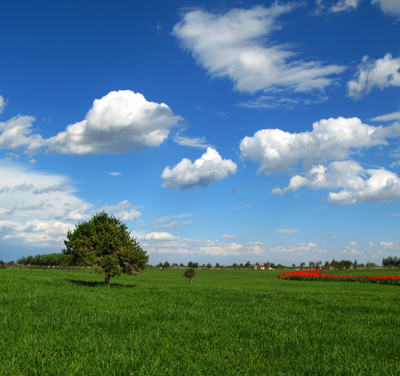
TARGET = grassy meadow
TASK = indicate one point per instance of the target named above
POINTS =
(226, 322)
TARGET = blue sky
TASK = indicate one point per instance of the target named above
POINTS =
(217, 131)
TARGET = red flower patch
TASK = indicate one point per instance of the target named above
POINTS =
(319, 275)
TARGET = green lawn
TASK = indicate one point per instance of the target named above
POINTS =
(226, 322)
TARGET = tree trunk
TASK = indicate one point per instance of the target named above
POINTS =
(108, 277)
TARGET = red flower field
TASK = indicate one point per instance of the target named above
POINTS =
(319, 275)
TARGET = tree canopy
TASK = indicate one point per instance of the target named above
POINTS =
(105, 243)
(189, 273)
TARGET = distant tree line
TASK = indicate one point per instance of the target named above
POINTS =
(390, 261)
(334, 264)
(52, 259)
(58, 259)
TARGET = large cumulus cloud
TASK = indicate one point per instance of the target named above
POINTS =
(120, 122)
(331, 139)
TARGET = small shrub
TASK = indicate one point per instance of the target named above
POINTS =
(189, 273)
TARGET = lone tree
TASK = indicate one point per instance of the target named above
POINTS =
(189, 273)
(104, 242)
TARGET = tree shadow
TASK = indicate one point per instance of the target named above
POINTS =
(95, 284)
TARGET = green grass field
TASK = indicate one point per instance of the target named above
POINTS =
(226, 322)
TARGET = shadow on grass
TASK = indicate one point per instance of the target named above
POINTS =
(95, 284)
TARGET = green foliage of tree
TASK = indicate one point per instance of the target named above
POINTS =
(104, 242)
(391, 262)
(340, 265)
(166, 265)
(189, 273)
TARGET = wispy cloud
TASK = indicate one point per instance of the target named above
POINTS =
(286, 230)
(3, 103)
(388, 117)
(242, 206)
(194, 142)
(234, 45)
(165, 223)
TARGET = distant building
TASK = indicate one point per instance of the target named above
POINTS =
(262, 267)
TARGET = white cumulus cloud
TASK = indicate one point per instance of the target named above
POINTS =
(203, 171)
(37, 208)
(390, 245)
(159, 236)
(235, 45)
(120, 122)
(16, 133)
(353, 182)
(390, 7)
(39, 233)
(380, 73)
(26, 194)
(330, 139)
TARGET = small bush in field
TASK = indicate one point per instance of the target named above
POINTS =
(189, 273)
